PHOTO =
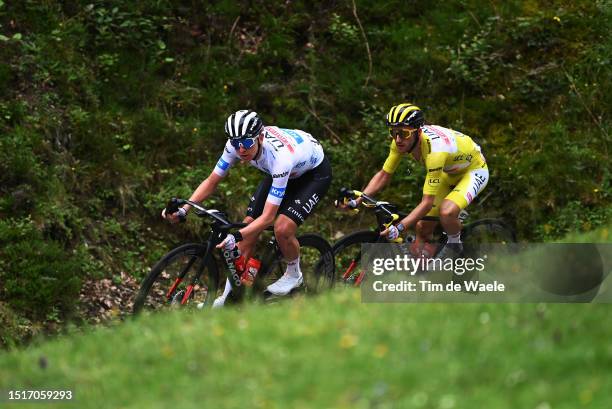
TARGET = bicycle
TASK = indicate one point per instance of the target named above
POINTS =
(189, 274)
(347, 250)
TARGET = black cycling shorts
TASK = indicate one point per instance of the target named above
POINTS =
(301, 196)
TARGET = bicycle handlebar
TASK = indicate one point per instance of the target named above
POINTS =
(174, 204)
(366, 201)
(223, 223)
(370, 202)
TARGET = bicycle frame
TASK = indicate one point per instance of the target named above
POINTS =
(386, 212)
(220, 228)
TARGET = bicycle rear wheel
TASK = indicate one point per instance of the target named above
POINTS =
(169, 284)
(485, 235)
(316, 263)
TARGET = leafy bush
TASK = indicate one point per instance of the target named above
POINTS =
(574, 218)
(13, 327)
(21, 171)
(39, 278)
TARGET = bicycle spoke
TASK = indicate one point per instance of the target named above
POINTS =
(172, 281)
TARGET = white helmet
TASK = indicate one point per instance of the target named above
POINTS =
(243, 124)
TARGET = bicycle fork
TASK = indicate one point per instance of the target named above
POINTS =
(179, 279)
(196, 278)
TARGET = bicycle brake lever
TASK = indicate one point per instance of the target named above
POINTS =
(173, 206)
(394, 217)
(345, 201)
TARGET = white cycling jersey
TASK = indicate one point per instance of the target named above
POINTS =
(285, 154)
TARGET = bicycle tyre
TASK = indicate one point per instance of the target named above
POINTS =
(479, 236)
(316, 262)
(325, 268)
(209, 279)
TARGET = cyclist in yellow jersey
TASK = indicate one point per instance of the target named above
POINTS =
(456, 173)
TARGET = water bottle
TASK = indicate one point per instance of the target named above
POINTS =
(240, 263)
(250, 271)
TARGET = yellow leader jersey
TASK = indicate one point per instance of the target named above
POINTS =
(442, 150)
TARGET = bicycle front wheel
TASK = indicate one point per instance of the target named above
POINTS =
(170, 282)
(347, 254)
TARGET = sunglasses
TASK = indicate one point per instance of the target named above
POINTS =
(402, 133)
(246, 143)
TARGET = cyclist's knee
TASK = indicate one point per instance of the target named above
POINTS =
(247, 219)
(449, 210)
(284, 228)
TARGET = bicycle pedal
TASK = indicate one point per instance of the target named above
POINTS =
(269, 297)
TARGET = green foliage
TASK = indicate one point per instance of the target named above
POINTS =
(21, 171)
(574, 218)
(342, 31)
(39, 277)
(14, 328)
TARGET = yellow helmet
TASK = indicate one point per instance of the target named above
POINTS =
(406, 114)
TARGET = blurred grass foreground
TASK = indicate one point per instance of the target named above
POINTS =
(332, 351)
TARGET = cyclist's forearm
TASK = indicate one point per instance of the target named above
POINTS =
(260, 223)
(206, 188)
(256, 226)
(417, 214)
(377, 183)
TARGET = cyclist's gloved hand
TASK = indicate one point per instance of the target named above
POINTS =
(393, 231)
(179, 215)
(347, 204)
(229, 243)
(351, 204)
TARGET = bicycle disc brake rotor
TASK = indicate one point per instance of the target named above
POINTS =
(177, 298)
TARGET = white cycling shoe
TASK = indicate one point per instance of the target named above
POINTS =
(285, 284)
(219, 302)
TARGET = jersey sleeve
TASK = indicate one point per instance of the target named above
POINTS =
(227, 159)
(280, 178)
(435, 164)
(393, 160)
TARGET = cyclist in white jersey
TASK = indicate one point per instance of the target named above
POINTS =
(297, 176)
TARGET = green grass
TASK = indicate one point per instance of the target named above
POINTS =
(601, 235)
(332, 352)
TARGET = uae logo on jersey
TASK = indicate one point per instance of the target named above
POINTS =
(314, 199)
